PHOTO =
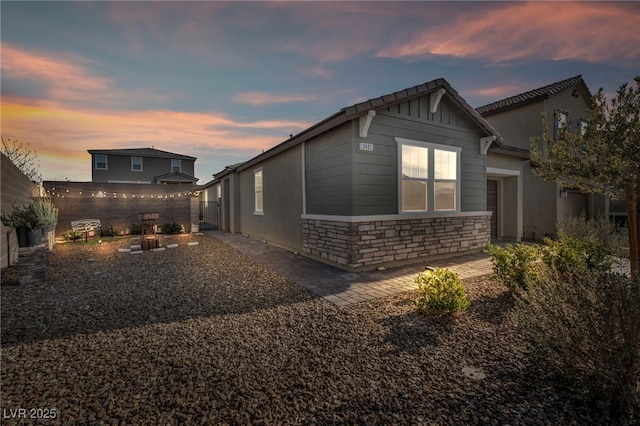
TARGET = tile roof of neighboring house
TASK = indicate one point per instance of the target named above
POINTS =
(533, 96)
(141, 152)
(381, 102)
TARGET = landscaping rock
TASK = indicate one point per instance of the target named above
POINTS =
(196, 338)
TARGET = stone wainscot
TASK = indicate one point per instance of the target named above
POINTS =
(364, 242)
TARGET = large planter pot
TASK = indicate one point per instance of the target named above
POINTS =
(27, 237)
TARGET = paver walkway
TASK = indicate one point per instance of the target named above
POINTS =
(343, 287)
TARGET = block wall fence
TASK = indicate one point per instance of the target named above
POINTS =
(119, 204)
(363, 245)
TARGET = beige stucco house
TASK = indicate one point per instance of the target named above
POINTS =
(526, 206)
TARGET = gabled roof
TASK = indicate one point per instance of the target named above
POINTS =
(141, 152)
(176, 177)
(379, 103)
(534, 95)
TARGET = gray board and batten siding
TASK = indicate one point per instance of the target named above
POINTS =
(344, 180)
(332, 192)
(281, 219)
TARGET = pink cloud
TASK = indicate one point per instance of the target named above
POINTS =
(65, 78)
(58, 132)
(502, 91)
(62, 75)
(262, 98)
(556, 30)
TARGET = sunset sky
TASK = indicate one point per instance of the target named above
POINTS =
(222, 81)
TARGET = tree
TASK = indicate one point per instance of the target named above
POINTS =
(23, 157)
(603, 157)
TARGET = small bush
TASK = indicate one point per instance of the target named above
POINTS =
(72, 235)
(108, 232)
(515, 266)
(171, 228)
(599, 229)
(585, 329)
(569, 254)
(440, 292)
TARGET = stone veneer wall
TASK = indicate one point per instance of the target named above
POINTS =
(357, 245)
(32, 264)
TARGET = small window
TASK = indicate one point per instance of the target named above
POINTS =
(136, 164)
(582, 130)
(582, 126)
(415, 161)
(176, 166)
(561, 121)
(257, 179)
(445, 165)
(101, 162)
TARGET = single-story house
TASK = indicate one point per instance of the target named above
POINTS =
(385, 181)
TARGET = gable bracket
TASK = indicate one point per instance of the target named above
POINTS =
(435, 98)
(365, 123)
(485, 143)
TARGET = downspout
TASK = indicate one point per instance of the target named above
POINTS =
(304, 178)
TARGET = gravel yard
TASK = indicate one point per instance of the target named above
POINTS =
(204, 335)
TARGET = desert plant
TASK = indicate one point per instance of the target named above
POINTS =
(599, 229)
(585, 330)
(568, 254)
(440, 292)
(108, 232)
(37, 213)
(516, 267)
(72, 235)
(171, 228)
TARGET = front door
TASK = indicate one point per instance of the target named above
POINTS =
(492, 206)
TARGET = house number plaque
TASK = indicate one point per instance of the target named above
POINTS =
(366, 146)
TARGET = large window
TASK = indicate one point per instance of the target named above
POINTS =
(101, 162)
(257, 180)
(430, 176)
(136, 164)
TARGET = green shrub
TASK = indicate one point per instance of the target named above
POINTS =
(440, 292)
(585, 330)
(108, 232)
(135, 229)
(599, 229)
(515, 266)
(573, 255)
(171, 228)
(72, 235)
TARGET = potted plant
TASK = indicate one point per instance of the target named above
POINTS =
(30, 220)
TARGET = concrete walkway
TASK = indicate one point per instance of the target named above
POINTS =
(342, 287)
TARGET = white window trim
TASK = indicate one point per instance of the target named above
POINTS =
(179, 162)
(141, 165)
(255, 193)
(106, 162)
(431, 174)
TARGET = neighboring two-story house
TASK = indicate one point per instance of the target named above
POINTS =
(141, 165)
(525, 205)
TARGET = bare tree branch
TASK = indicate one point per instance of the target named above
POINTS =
(22, 157)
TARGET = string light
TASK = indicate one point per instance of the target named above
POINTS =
(62, 191)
